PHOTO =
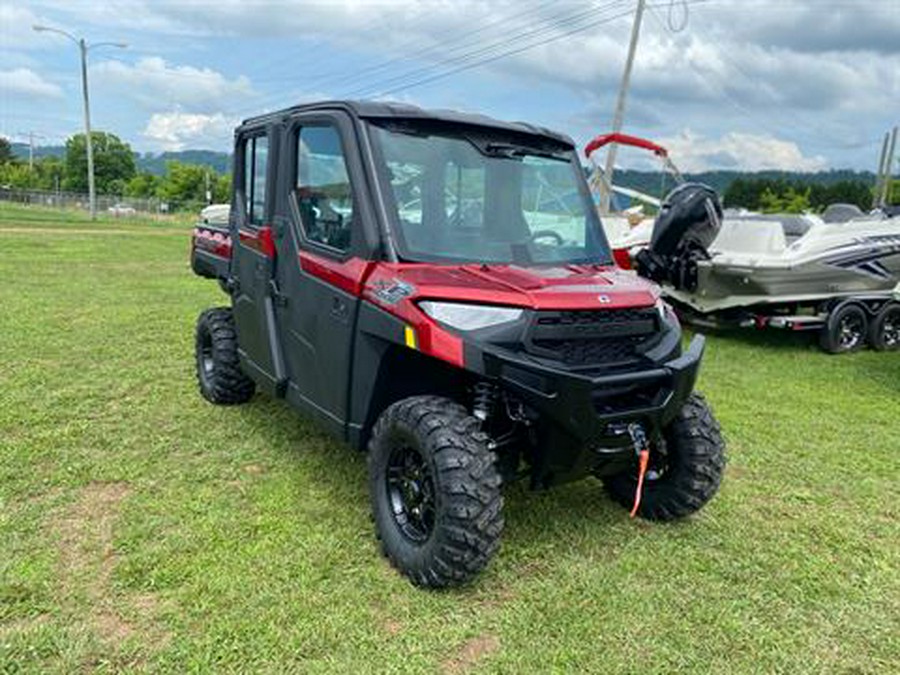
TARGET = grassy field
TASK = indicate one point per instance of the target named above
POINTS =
(144, 529)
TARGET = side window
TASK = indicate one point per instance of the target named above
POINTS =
(248, 177)
(323, 187)
(256, 154)
(260, 163)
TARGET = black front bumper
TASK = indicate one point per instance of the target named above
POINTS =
(583, 419)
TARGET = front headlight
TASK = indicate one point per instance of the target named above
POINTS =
(662, 308)
(469, 317)
(665, 311)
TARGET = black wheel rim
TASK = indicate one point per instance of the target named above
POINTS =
(410, 489)
(890, 331)
(205, 361)
(850, 331)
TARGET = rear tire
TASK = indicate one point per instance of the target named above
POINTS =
(219, 373)
(845, 331)
(435, 491)
(884, 332)
(685, 468)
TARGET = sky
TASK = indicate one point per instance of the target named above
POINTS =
(724, 84)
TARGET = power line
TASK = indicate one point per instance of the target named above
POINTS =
(302, 53)
(530, 28)
(511, 52)
(488, 50)
(422, 50)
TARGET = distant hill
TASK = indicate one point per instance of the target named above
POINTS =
(645, 181)
(21, 150)
(649, 181)
(220, 162)
(153, 163)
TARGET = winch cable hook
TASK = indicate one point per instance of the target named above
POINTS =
(642, 448)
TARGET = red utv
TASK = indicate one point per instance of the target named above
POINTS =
(436, 288)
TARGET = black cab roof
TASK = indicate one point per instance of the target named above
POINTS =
(401, 111)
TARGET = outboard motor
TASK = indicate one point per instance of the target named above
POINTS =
(688, 222)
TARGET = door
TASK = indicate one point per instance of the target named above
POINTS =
(322, 233)
(254, 261)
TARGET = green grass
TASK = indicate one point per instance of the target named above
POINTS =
(15, 216)
(144, 529)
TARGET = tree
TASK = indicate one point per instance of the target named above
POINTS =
(777, 195)
(6, 153)
(49, 173)
(143, 185)
(843, 192)
(769, 202)
(46, 175)
(184, 185)
(796, 201)
(15, 175)
(222, 190)
(113, 161)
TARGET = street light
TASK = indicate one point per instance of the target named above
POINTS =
(83, 49)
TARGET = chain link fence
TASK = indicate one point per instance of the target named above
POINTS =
(109, 204)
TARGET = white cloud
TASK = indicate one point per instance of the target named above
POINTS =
(15, 27)
(178, 130)
(25, 83)
(747, 152)
(824, 74)
(154, 83)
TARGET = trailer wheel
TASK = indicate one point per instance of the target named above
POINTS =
(845, 331)
(435, 491)
(884, 332)
(685, 470)
(219, 373)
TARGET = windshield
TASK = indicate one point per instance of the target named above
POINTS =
(464, 198)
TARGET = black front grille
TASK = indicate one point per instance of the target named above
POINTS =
(589, 352)
(598, 317)
(593, 337)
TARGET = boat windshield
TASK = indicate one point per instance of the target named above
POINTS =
(458, 196)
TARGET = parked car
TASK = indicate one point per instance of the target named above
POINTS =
(215, 214)
(121, 210)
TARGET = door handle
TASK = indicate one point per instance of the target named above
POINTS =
(338, 308)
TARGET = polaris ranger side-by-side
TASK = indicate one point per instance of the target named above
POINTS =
(437, 288)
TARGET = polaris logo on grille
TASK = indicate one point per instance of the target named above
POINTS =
(604, 299)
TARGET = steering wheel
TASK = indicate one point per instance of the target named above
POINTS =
(552, 234)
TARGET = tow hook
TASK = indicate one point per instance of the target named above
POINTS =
(642, 450)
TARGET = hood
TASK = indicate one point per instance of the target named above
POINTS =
(539, 287)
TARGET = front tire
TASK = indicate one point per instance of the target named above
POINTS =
(435, 491)
(219, 373)
(686, 467)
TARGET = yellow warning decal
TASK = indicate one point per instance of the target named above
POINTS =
(409, 336)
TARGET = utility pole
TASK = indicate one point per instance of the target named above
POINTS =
(880, 177)
(619, 115)
(30, 135)
(83, 49)
(92, 194)
(889, 170)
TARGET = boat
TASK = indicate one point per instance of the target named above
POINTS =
(838, 273)
(761, 259)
